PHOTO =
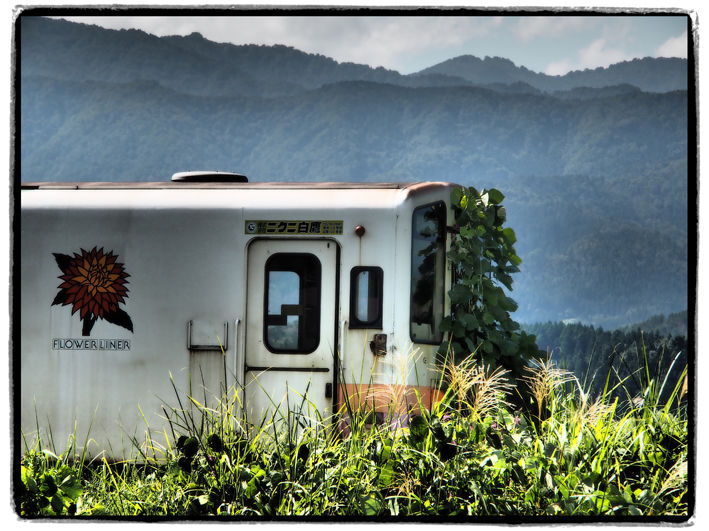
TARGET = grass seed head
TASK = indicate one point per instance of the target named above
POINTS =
(543, 377)
(475, 387)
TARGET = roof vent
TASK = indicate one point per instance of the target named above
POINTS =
(208, 177)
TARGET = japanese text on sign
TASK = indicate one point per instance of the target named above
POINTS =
(293, 227)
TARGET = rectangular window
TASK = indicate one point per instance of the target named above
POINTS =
(428, 250)
(292, 303)
(366, 286)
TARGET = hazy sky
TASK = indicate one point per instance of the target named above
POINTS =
(549, 44)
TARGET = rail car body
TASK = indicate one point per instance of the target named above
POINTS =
(290, 293)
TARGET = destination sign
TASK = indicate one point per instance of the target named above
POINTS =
(293, 227)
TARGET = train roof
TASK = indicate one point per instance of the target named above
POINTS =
(280, 196)
(176, 185)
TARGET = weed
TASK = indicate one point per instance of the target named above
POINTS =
(471, 455)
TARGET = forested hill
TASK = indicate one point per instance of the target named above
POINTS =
(601, 359)
(194, 65)
(648, 74)
(595, 179)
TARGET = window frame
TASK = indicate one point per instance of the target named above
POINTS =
(378, 274)
(307, 323)
(437, 302)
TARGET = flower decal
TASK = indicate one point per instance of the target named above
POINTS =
(94, 284)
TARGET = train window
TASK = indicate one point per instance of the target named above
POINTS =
(366, 285)
(292, 303)
(428, 249)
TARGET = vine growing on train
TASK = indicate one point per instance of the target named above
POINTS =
(483, 260)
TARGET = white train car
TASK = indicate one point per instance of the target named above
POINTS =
(328, 291)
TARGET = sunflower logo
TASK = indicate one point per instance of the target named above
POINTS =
(94, 284)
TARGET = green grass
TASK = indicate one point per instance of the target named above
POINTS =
(559, 453)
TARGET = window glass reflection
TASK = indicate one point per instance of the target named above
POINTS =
(427, 272)
(292, 303)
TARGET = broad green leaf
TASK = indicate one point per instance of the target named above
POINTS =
(418, 427)
(456, 195)
(189, 447)
(47, 485)
(469, 232)
(495, 196)
(460, 294)
(500, 463)
(71, 487)
(469, 321)
(470, 344)
(386, 474)
(490, 297)
(509, 235)
(371, 505)
(499, 314)
(385, 453)
(508, 304)
(505, 279)
(31, 485)
(251, 489)
(57, 504)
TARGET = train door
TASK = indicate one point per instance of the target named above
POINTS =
(290, 344)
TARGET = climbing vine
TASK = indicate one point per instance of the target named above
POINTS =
(483, 259)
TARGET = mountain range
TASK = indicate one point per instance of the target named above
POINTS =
(595, 165)
(194, 65)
